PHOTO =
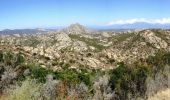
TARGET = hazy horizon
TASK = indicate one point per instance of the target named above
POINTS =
(20, 14)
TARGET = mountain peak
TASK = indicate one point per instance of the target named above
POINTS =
(76, 29)
(77, 25)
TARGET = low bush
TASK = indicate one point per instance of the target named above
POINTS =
(125, 80)
(167, 58)
(8, 58)
(38, 72)
(1, 56)
(29, 90)
(19, 59)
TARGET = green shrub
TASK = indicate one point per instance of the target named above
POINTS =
(156, 60)
(29, 90)
(121, 37)
(88, 41)
(167, 58)
(116, 75)
(1, 56)
(33, 42)
(67, 75)
(85, 77)
(8, 58)
(125, 79)
(19, 59)
(38, 72)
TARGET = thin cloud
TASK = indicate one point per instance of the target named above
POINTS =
(131, 21)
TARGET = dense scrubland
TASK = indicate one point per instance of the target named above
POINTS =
(22, 80)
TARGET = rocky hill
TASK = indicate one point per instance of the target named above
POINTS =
(106, 60)
(75, 29)
(96, 50)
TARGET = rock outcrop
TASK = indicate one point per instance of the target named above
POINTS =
(63, 41)
(153, 39)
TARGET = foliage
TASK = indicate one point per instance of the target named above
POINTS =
(71, 76)
(116, 75)
(121, 37)
(8, 58)
(126, 80)
(29, 90)
(158, 62)
(167, 58)
(33, 42)
(38, 72)
(130, 79)
(74, 77)
(19, 59)
(1, 56)
(88, 41)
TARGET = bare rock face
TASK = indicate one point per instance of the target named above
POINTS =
(27, 48)
(79, 46)
(63, 41)
(153, 39)
(105, 34)
(62, 37)
(92, 62)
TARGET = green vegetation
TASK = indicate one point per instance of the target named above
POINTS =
(19, 59)
(129, 79)
(32, 42)
(38, 72)
(158, 61)
(167, 58)
(88, 41)
(71, 76)
(125, 80)
(121, 37)
(1, 56)
(8, 58)
(29, 90)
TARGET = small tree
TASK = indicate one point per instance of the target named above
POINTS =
(19, 59)
(8, 58)
(1, 56)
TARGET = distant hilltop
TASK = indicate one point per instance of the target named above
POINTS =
(78, 28)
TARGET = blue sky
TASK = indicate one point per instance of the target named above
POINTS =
(51, 13)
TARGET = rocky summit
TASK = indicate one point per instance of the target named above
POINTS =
(75, 29)
(88, 65)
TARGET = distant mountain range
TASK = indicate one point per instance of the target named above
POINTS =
(23, 31)
(77, 27)
(139, 25)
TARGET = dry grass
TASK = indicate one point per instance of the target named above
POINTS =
(162, 95)
(29, 90)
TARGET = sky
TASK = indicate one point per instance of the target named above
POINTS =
(15, 14)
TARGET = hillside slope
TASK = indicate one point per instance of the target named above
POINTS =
(105, 65)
